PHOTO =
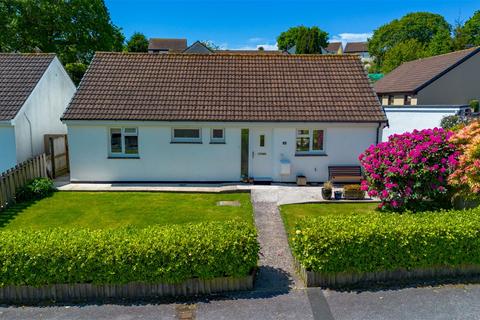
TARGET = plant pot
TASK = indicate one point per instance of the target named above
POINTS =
(338, 195)
(301, 181)
(326, 194)
(354, 195)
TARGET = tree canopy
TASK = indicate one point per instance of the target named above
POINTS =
(405, 51)
(138, 42)
(73, 29)
(469, 33)
(430, 30)
(307, 40)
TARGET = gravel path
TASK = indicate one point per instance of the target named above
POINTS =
(276, 268)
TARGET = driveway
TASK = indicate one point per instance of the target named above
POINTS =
(279, 293)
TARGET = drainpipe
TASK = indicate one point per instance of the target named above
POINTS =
(31, 134)
(378, 132)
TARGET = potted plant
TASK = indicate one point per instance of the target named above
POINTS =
(353, 192)
(338, 195)
(327, 190)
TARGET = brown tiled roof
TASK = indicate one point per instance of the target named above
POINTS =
(19, 74)
(333, 46)
(251, 51)
(355, 47)
(225, 87)
(412, 76)
(174, 45)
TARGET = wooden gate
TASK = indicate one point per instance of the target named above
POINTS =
(56, 149)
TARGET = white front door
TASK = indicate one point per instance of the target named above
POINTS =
(261, 153)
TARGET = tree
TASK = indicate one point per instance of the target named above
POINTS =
(431, 30)
(469, 33)
(307, 40)
(210, 45)
(76, 70)
(403, 52)
(137, 43)
(73, 29)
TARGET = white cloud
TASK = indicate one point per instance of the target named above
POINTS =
(265, 46)
(350, 37)
(255, 39)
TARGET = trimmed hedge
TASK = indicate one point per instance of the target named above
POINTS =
(169, 254)
(386, 241)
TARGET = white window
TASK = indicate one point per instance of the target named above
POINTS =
(310, 140)
(124, 142)
(187, 135)
(217, 135)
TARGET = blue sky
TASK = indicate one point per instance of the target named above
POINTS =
(247, 24)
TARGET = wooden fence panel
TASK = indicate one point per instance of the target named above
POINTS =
(15, 178)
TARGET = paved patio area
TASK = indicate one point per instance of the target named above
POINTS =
(278, 193)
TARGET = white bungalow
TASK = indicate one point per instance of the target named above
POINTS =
(221, 117)
(34, 92)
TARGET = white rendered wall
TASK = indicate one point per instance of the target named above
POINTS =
(44, 108)
(402, 120)
(7, 147)
(160, 160)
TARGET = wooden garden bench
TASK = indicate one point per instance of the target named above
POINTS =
(345, 174)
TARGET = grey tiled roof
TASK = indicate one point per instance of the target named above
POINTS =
(172, 45)
(19, 74)
(411, 76)
(355, 47)
(225, 87)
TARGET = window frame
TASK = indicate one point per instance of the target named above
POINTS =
(123, 134)
(186, 140)
(310, 142)
(214, 140)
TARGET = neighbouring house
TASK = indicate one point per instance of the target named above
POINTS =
(35, 90)
(333, 48)
(358, 48)
(160, 45)
(198, 47)
(418, 94)
(220, 117)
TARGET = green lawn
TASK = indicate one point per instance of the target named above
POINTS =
(293, 212)
(98, 210)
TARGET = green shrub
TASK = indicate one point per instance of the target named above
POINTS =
(36, 189)
(387, 241)
(474, 105)
(116, 256)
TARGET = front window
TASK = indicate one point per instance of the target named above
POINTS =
(310, 140)
(188, 135)
(217, 136)
(124, 142)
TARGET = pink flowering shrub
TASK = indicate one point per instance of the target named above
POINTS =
(410, 168)
(466, 178)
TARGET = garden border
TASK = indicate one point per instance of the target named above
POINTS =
(94, 292)
(345, 279)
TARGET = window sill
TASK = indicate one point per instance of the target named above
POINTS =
(123, 157)
(218, 142)
(186, 142)
(311, 155)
